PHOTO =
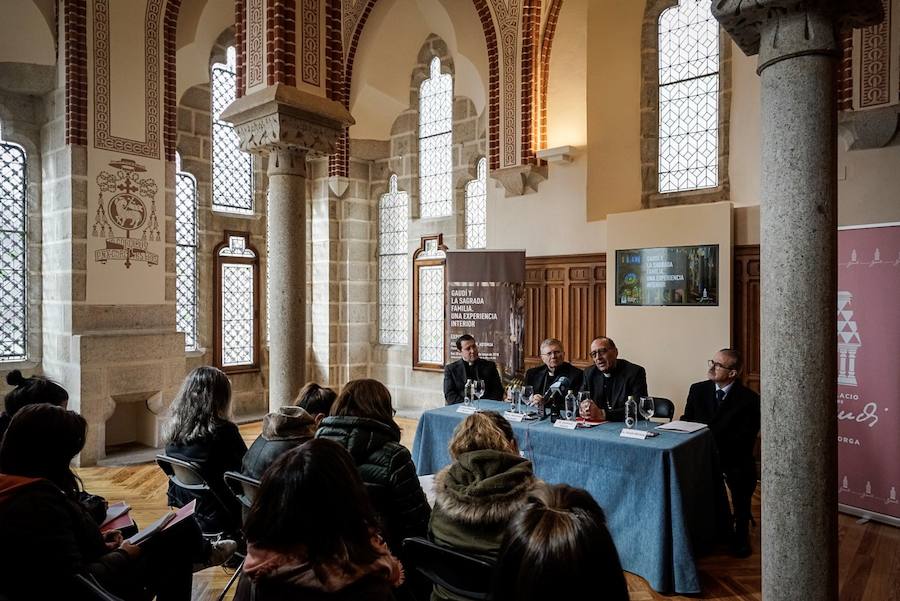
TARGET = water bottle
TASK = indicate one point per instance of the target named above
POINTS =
(630, 412)
(571, 405)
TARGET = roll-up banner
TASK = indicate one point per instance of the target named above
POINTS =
(868, 400)
(486, 298)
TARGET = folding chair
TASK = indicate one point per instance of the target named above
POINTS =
(91, 589)
(186, 475)
(460, 573)
(244, 489)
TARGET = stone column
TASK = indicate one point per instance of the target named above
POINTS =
(797, 47)
(287, 124)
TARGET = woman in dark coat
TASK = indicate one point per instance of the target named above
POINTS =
(362, 421)
(201, 432)
(46, 535)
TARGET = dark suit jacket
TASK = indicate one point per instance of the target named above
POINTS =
(734, 425)
(538, 377)
(627, 379)
(455, 381)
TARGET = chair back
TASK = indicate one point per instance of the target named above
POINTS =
(462, 574)
(90, 589)
(183, 474)
(244, 488)
(663, 407)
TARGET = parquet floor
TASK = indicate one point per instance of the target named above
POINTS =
(869, 553)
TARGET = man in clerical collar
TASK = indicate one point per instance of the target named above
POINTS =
(555, 367)
(732, 412)
(611, 381)
(470, 367)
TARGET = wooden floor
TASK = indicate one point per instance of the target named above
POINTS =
(869, 553)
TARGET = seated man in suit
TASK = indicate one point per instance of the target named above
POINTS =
(732, 412)
(541, 378)
(611, 381)
(470, 367)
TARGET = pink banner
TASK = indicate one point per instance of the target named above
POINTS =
(868, 322)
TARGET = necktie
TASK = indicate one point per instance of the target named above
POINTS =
(720, 396)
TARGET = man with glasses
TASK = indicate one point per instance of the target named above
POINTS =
(732, 412)
(611, 381)
(541, 378)
(470, 367)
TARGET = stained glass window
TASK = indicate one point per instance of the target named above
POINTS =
(232, 177)
(237, 267)
(688, 97)
(429, 263)
(13, 256)
(435, 143)
(186, 255)
(393, 223)
(476, 208)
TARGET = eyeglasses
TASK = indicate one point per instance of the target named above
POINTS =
(600, 351)
(552, 353)
(712, 364)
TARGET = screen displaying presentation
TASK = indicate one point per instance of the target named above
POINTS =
(668, 276)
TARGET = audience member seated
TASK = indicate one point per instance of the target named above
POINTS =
(312, 533)
(541, 378)
(558, 547)
(362, 420)
(470, 367)
(201, 432)
(281, 432)
(485, 486)
(611, 381)
(48, 537)
(317, 400)
(732, 412)
(29, 391)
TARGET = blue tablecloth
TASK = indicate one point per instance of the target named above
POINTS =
(657, 493)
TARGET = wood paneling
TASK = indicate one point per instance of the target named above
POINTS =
(565, 299)
(745, 318)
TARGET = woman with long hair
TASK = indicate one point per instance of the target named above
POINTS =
(558, 547)
(46, 535)
(362, 420)
(28, 391)
(312, 533)
(203, 433)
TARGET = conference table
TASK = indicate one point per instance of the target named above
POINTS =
(657, 493)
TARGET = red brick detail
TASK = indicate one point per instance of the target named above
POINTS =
(281, 42)
(531, 25)
(490, 38)
(338, 163)
(170, 110)
(75, 32)
(546, 47)
(240, 47)
(844, 67)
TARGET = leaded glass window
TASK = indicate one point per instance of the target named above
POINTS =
(688, 97)
(13, 256)
(237, 304)
(476, 208)
(429, 263)
(232, 177)
(435, 143)
(186, 255)
(393, 223)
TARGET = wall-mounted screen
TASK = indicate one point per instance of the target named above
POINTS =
(669, 276)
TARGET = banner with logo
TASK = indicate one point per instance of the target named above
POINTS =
(868, 327)
(486, 298)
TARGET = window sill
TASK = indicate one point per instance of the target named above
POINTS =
(687, 197)
(254, 216)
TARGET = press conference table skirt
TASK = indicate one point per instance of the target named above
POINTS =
(658, 493)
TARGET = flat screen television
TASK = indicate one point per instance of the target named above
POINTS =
(668, 276)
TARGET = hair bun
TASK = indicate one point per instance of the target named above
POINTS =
(15, 378)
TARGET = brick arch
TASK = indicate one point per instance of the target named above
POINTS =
(170, 110)
(544, 69)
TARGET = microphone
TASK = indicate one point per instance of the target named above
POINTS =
(560, 387)
(555, 397)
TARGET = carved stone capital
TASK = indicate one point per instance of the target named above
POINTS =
(521, 179)
(281, 117)
(780, 29)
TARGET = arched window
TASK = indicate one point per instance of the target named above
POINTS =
(429, 263)
(435, 143)
(393, 278)
(237, 304)
(476, 208)
(13, 255)
(688, 97)
(232, 169)
(186, 255)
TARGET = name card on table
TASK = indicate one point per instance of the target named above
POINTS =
(465, 409)
(513, 417)
(566, 424)
(641, 434)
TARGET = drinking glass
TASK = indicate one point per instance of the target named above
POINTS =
(469, 392)
(478, 389)
(525, 397)
(647, 407)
